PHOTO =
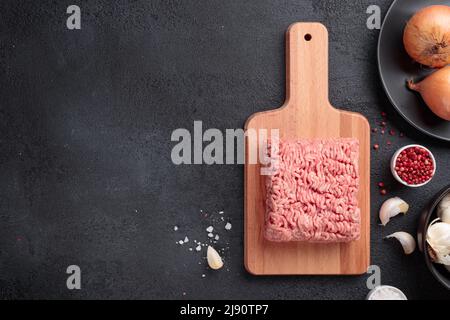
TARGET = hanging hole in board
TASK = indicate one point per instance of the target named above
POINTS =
(308, 37)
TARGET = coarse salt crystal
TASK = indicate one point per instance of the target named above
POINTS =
(203, 275)
(210, 229)
(220, 212)
(175, 228)
(217, 237)
(186, 239)
(198, 248)
(190, 249)
(181, 242)
(210, 235)
(228, 226)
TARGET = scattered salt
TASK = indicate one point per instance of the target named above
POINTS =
(186, 239)
(228, 226)
(190, 249)
(198, 248)
(203, 275)
(220, 212)
(210, 235)
(210, 229)
(217, 237)
(181, 242)
(175, 228)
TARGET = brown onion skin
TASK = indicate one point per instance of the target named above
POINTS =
(427, 36)
(435, 91)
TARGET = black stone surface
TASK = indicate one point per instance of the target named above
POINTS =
(86, 118)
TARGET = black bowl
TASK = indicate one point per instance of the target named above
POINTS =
(428, 215)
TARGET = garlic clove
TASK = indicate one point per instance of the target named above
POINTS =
(438, 239)
(437, 257)
(406, 240)
(214, 260)
(438, 235)
(391, 208)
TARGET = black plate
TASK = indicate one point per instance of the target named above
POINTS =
(396, 67)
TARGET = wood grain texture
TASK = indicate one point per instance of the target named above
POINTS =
(307, 113)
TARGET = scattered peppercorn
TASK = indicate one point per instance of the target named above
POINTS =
(392, 132)
(381, 184)
(376, 146)
(383, 192)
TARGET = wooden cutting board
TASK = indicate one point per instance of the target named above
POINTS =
(307, 113)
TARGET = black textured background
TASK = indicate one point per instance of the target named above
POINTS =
(85, 124)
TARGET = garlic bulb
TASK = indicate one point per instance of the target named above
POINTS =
(443, 209)
(406, 240)
(214, 260)
(391, 208)
(438, 237)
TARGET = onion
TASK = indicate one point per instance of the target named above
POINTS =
(435, 91)
(427, 36)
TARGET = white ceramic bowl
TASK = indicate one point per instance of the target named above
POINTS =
(393, 290)
(394, 160)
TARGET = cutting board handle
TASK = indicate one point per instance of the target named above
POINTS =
(307, 65)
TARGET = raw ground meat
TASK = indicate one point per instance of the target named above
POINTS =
(312, 195)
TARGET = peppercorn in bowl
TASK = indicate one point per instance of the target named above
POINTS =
(413, 165)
